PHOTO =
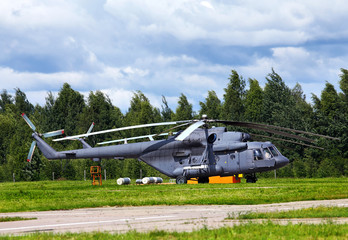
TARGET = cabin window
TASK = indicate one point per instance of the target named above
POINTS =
(257, 154)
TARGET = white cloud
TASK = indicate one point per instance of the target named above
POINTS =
(119, 97)
(168, 47)
(243, 23)
(297, 65)
(207, 5)
(31, 15)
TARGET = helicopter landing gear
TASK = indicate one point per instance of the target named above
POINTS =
(251, 178)
(181, 180)
(203, 180)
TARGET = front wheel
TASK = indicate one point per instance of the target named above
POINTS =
(181, 180)
(251, 179)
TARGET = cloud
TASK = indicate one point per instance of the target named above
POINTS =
(240, 23)
(207, 5)
(176, 75)
(297, 65)
(168, 47)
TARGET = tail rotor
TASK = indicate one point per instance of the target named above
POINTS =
(27, 120)
(31, 151)
(45, 135)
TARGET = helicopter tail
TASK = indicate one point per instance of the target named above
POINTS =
(46, 149)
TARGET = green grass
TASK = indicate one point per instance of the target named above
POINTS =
(12, 219)
(54, 195)
(250, 231)
(318, 212)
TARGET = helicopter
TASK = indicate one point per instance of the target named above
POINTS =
(199, 151)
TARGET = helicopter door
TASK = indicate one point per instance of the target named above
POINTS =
(246, 160)
(235, 161)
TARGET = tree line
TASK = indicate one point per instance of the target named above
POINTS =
(274, 104)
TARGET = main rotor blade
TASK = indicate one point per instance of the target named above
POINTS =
(267, 128)
(31, 151)
(133, 138)
(189, 130)
(286, 140)
(284, 134)
(27, 120)
(53, 133)
(254, 125)
(120, 129)
(172, 128)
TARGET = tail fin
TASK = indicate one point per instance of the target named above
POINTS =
(46, 149)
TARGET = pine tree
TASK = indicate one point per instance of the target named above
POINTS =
(66, 109)
(233, 108)
(330, 102)
(166, 111)
(5, 99)
(212, 106)
(254, 102)
(102, 113)
(278, 104)
(184, 110)
(22, 104)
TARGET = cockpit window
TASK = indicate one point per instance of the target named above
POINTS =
(274, 151)
(267, 153)
(279, 153)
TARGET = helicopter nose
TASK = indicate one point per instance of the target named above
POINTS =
(281, 161)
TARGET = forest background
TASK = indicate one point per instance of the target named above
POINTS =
(275, 104)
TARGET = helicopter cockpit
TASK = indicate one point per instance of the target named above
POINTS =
(271, 153)
(266, 153)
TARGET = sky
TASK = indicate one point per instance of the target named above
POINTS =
(168, 47)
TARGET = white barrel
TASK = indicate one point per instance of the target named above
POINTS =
(158, 180)
(139, 181)
(148, 180)
(123, 181)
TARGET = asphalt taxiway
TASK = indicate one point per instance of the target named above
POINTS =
(147, 218)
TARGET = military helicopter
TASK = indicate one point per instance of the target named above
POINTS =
(199, 151)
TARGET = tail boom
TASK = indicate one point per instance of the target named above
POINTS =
(46, 149)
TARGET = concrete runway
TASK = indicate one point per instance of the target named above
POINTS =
(147, 218)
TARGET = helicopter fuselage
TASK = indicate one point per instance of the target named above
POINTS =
(204, 153)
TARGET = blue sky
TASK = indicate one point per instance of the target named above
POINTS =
(168, 47)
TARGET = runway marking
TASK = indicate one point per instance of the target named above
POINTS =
(84, 223)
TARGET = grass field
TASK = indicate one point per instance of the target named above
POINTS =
(318, 212)
(54, 195)
(250, 231)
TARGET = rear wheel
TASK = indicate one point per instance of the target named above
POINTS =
(181, 180)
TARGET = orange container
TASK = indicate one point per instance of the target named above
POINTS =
(192, 181)
(218, 179)
(229, 179)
